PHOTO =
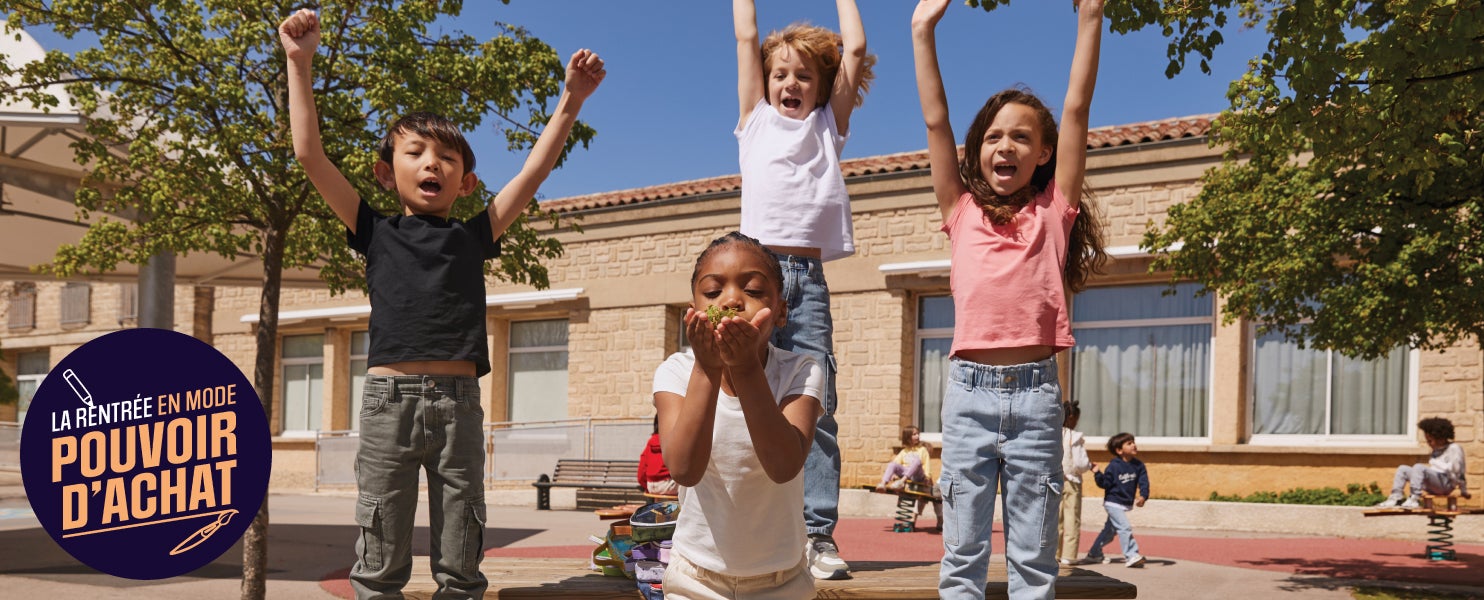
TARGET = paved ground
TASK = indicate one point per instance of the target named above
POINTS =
(311, 539)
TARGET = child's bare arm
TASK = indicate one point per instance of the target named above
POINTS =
(852, 63)
(781, 432)
(942, 151)
(686, 421)
(299, 34)
(750, 86)
(584, 73)
(1071, 145)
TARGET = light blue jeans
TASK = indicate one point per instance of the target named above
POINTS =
(810, 330)
(1001, 431)
(1117, 523)
(411, 423)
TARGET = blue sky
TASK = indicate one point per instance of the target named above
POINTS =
(669, 104)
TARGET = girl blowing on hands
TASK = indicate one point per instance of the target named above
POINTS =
(1020, 240)
(736, 417)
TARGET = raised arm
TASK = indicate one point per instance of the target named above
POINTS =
(1071, 144)
(852, 64)
(942, 151)
(299, 34)
(750, 87)
(584, 73)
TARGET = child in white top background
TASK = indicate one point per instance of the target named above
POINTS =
(736, 417)
(1019, 240)
(1443, 472)
(795, 94)
(1074, 463)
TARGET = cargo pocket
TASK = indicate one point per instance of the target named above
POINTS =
(1051, 487)
(474, 516)
(952, 523)
(372, 543)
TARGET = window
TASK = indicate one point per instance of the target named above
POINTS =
(22, 311)
(31, 368)
(128, 303)
(934, 342)
(360, 349)
(1304, 391)
(538, 370)
(76, 307)
(1142, 363)
(303, 382)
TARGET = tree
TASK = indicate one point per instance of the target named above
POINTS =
(187, 126)
(1348, 211)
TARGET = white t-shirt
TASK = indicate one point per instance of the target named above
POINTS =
(736, 521)
(793, 192)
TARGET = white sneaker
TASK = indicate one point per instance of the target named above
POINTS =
(1066, 561)
(1390, 502)
(824, 559)
(1135, 562)
(1413, 502)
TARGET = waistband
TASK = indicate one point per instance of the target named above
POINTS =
(796, 260)
(418, 383)
(777, 577)
(1028, 375)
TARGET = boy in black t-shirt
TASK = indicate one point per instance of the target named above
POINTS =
(425, 273)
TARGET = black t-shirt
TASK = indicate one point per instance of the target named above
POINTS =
(426, 277)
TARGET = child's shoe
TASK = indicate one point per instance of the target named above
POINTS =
(1094, 560)
(1412, 502)
(1390, 502)
(1134, 562)
(1067, 562)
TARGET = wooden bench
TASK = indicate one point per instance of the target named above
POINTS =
(600, 483)
(570, 578)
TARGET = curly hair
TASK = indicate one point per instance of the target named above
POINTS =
(1086, 252)
(821, 47)
(1437, 428)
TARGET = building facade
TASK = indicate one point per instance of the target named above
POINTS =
(1216, 406)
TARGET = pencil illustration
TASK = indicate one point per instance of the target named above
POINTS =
(77, 387)
(203, 533)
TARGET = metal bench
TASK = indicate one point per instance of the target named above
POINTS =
(592, 474)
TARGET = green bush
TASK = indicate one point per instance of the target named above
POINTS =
(1354, 494)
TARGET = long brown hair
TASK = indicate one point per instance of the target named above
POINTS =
(1085, 249)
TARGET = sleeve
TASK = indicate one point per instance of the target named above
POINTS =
(483, 231)
(673, 375)
(1061, 206)
(366, 220)
(966, 200)
(1081, 463)
(1143, 481)
(643, 461)
(833, 128)
(746, 130)
(808, 379)
(1105, 479)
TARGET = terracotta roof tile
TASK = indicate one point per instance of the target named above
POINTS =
(1101, 137)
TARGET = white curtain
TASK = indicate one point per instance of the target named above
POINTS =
(1316, 392)
(932, 361)
(1148, 381)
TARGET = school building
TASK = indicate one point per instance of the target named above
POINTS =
(1216, 407)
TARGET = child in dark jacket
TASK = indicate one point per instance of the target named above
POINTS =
(1127, 485)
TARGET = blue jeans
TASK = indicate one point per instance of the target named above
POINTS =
(1001, 430)
(1117, 523)
(809, 330)
(408, 423)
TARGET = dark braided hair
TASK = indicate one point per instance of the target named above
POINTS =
(737, 237)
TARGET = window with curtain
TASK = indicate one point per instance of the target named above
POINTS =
(1304, 391)
(538, 370)
(1142, 363)
(303, 382)
(360, 349)
(934, 343)
(31, 368)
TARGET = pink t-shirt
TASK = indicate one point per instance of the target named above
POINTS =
(1007, 280)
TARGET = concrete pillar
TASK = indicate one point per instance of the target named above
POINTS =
(157, 292)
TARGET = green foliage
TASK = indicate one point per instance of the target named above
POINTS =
(8, 392)
(1355, 494)
(1349, 211)
(188, 122)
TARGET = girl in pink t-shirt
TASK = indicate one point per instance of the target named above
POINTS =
(1013, 213)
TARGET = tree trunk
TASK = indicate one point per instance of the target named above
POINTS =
(255, 541)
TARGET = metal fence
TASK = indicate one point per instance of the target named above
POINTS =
(514, 451)
(10, 446)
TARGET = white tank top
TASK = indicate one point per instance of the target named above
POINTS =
(793, 193)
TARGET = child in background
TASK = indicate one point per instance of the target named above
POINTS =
(736, 417)
(1443, 472)
(909, 465)
(654, 477)
(1021, 238)
(1127, 485)
(1074, 463)
(425, 273)
(795, 94)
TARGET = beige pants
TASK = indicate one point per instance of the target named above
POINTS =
(1070, 526)
(685, 581)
